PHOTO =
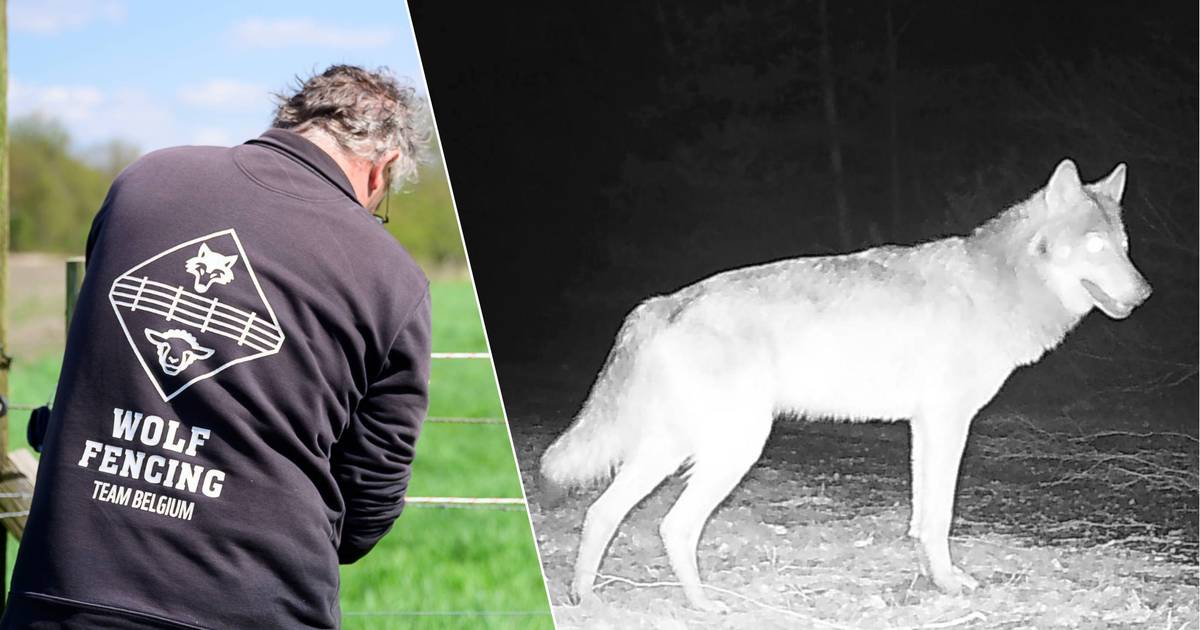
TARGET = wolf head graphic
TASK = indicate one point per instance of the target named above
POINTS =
(210, 268)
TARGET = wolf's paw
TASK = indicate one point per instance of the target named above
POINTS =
(956, 582)
(707, 604)
(969, 582)
(584, 597)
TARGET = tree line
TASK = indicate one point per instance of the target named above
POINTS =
(55, 191)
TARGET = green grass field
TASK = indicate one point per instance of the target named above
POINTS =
(438, 568)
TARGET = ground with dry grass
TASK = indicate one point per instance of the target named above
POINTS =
(37, 293)
(1066, 525)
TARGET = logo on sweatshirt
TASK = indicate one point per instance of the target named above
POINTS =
(194, 310)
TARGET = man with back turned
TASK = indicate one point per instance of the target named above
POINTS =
(245, 377)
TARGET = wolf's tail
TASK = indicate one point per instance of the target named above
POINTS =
(595, 444)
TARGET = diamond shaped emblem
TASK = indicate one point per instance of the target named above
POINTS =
(193, 311)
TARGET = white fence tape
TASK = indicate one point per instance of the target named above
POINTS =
(502, 503)
(466, 420)
(437, 502)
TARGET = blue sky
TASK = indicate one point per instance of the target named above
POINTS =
(159, 74)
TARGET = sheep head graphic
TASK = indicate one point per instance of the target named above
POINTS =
(177, 350)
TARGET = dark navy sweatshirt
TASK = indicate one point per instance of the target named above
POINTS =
(244, 381)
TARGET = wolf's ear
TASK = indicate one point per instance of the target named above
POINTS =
(1064, 188)
(204, 250)
(1112, 186)
(1039, 245)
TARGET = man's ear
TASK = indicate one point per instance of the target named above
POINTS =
(380, 175)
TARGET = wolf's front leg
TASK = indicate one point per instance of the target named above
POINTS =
(938, 442)
(917, 457)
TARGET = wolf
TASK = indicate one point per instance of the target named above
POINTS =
(210, 267)
(926, 333)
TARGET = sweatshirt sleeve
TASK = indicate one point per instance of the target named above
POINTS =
(98, 222)
(373, 459)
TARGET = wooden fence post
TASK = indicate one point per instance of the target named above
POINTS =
(4, 224)
(74, 281)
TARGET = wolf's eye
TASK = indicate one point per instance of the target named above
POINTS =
(1095, 243)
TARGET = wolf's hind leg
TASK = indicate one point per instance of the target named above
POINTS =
(636, 478)
(942, 437)
(712, 477)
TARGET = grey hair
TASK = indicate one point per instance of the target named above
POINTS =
(366, 113)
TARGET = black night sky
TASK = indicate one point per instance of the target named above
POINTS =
(603, 154)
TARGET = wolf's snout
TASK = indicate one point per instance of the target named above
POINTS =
(1119, 304)
(1140, 291)
(1144, 291)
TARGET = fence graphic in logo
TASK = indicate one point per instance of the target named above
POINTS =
(194, 310)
